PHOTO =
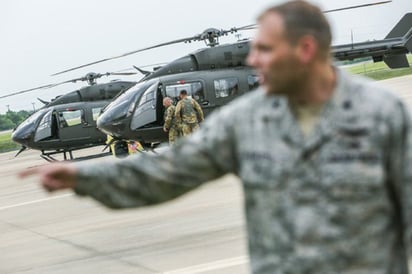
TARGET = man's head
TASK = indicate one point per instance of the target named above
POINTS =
(292, 39)
(167, 101)
(183, 94)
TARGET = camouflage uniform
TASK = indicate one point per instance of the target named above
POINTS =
(189, 114)
(338, 201)
(171, 124)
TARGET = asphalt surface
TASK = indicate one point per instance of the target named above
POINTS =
(201, 232)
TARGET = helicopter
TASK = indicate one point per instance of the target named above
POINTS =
(214, 76)
(68, 122)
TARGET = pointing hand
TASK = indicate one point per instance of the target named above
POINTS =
(54, 176)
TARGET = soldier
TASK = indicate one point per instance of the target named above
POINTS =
(170, 125)
(188, 113)
(328, 191)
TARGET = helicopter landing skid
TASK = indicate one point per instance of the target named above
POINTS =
(49, 158)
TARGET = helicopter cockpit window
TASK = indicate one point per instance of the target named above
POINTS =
(44, 131)
(125, 103)
(69, 118)
(145, 112)
(194, 89)
(253, 81)
(225, 87)
(96, 112)
(33, 118)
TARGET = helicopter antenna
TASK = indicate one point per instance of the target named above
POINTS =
(43, 101)
(209, 36)
(23, 148)
(144, 72)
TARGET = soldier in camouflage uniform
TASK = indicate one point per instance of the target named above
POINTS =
(170, 125)
(188, 113)
(325, 195)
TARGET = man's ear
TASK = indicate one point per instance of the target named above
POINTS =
(307, 48)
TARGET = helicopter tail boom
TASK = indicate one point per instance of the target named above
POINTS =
(392, 49)
(403, 30)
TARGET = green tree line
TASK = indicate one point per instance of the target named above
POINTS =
(12, 119)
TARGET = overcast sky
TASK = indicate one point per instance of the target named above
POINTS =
(42, 37)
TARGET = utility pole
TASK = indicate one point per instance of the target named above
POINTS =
(8, 108)
(34, 108)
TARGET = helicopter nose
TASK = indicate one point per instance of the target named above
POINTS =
(106, 124)
(22, 135)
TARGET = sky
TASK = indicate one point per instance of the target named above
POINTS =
(39, 38)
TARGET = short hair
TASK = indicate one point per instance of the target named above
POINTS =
(167, 99)
(302, 18)
(183, 92)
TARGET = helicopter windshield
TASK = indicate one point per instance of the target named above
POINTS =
(44, 129)
(32, 118)
(125, 102)
(145, 112)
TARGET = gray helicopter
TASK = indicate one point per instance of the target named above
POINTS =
(214, 76)
(68, 122)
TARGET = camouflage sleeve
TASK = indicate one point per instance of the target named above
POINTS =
(399, 165)
(169, 117)
(178, 111)
(199, 111)
(147, 179)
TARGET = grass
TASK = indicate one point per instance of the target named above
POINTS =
(6, 144)
(379, 70)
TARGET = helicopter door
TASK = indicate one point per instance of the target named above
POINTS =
(194, 89)
(71, 125)
(44, 130)
(145, 112)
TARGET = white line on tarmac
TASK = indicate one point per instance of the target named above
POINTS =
(37, 201)
(210, 266)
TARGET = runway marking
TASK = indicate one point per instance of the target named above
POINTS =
(210, 266)
(37, 201)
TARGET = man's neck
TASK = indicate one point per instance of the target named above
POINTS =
(319, 88)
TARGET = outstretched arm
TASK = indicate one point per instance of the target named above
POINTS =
(54, 176)
(145, 178)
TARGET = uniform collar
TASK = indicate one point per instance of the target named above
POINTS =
(330, 114)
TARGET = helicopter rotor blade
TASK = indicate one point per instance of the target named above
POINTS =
(120, 73)
(87, 77)
(188, 39)
(203, 36)
(358, 6)
(254, 26)
(26, 90)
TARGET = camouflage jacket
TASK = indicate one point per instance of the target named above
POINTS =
(338, 201)
(169, 117)
(189, 111)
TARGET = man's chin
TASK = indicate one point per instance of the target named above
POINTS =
(270, 91)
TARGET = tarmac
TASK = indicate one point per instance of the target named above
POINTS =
(201, 232)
